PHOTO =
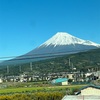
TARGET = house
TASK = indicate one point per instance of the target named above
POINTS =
(1, 80)
(61, 81)
(25, 78)
(70, 76)
(81, 97)
(97, 74)
(90, 90)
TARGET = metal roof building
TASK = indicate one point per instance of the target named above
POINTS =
(73, 97)
(90, 92)
(59, 80)
(63, 81)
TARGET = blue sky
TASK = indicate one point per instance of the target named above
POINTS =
(25, 24)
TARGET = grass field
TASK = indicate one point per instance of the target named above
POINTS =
(38, 89)
(37, 92)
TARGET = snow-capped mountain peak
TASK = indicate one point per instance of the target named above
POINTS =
(63, 38)
(60, 44)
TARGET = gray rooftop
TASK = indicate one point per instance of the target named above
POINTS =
(73, 97)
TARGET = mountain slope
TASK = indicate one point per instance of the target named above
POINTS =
(60, 44)
(81, 61)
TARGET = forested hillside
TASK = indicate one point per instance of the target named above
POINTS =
(80, 62)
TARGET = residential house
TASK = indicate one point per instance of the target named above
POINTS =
(81, 97)
(1, 80)
(70, 76)
(97, 74)
(90, 90)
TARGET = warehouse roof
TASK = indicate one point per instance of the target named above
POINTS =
(91, 85)
(59, 80)
(72, 97)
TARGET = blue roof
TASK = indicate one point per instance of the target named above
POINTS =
(59, 80)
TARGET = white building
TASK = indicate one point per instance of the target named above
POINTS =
(90, 90)
(1, 80)
(62, 81)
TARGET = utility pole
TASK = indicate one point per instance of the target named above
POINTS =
(7, 69)
(20, 69)
(31, 66)
(69, 61)
(72, 66)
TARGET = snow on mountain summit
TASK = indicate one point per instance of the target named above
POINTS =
(63, 38)
(60, 44)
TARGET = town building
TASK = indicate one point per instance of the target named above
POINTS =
(90, 92)
(61, 81)
(1, 80)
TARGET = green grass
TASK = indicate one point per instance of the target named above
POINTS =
(35, 89)
(23, 89)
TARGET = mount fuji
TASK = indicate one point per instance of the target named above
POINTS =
(60, 44)
(63, 42)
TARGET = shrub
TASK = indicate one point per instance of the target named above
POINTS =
(34, 96)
